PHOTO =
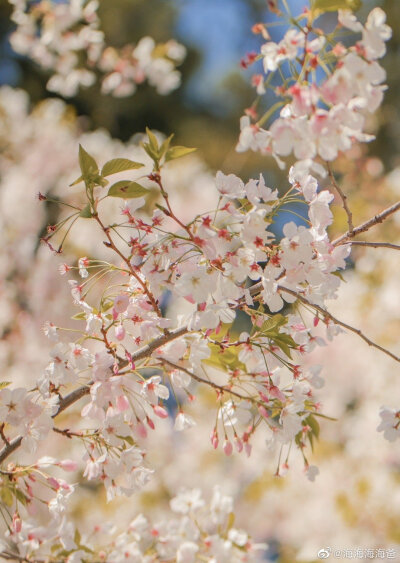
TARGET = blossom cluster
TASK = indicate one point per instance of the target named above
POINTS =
(65, 38)
(320, 117)
(193, 530)
(138, 355)
(169, 306)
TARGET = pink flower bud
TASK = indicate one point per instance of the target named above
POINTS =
(141, 430)
(150, 422)
(160, 411)
(214, 439)
(122, 403)
(247, 449)
(68, 465)
(54, 484)
(227, 447)
(238, 444)
(263, 411)
(16, 523)
(119, 332)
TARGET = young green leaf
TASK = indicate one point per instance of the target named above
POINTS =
(119, 165)
(152, 140)
(77, 181)
(165, 146)
(87, 163)
(6, 496)
(86, 212)
(79, 316)
(127, 190)
(4, 384)
(177, 152)
(313, 424)
(334, 5)
(274, 322)
(284, 341)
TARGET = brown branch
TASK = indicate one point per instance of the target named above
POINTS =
(70, 399)
(367, 224)
(2, 435)
(325, 313)
(375, 244)
(68, 433)
(77, 394)
(147, 350)
(343, 198)
(112, 245)
(156, 177)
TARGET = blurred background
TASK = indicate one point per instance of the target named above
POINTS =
(355, 499)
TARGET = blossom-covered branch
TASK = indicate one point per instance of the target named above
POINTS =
(168, 304)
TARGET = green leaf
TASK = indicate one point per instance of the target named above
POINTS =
(79, 316)
(77, 181)
(86, 212)
(21, 497)
(127, 190)
(127, 439)
(106, 306)
(6, 496)
(4, 384)
(333, 5)
(339, 275)
(231, 520)
(313, 424)
(177, 152)
(284, 342)
(119, 165)
(153, 154)
(165, 146)
(226, 360)
(77, 537)
(274, 322)
(87, 163)
(152, 140)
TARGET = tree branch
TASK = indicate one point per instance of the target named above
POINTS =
(368, 224)
(147, 350)
(77, 394)
(221, 388)
(375, 244)
(325, 313)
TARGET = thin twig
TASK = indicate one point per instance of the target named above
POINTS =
(344, 199)
(375, 244)
(111, 244)
(325, 313)
(368, 224)
(147, 350)
(220, 388)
